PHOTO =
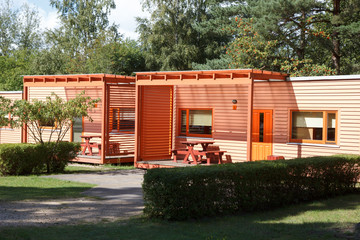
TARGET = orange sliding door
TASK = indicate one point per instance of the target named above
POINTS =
(156, 122)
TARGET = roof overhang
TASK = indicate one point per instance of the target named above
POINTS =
(235, 76)
(76, 80)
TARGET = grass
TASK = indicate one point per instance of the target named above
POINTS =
(17, 188)
(328, 219)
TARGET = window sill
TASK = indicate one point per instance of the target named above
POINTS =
(195, 137)
(314, 145)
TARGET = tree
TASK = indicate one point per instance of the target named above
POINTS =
(83, 22)
(305, 28)
(55, 112)
(180, 33)
(251, 50)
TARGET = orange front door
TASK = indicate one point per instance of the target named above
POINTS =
(262, 134)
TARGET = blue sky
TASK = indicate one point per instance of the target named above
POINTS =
(124, 14)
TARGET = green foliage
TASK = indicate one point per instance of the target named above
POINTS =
(21, 159)
(251, 50)
(54, 110)
(24, 159)
(180, 33)
(196, 192)
(63, 152)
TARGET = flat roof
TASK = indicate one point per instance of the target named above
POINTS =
(10, 92)
(75, 79)
(318, 78)
(225, 76)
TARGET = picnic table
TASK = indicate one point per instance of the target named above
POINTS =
(197, 155)
(89, 145)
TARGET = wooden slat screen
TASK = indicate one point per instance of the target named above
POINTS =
(121, 121)
(156, 122)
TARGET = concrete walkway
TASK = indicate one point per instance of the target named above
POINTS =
(118, 195)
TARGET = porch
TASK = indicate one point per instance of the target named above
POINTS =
(112, 128)
(173, 108)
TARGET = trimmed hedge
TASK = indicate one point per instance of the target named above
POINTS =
(63, 152)
(24, 159)
(196, 192)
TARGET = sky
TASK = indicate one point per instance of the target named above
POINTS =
(124, 15)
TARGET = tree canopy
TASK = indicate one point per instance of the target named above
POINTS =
(300, 37)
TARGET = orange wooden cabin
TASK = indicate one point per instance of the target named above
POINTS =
(113, 117)
(251, 114)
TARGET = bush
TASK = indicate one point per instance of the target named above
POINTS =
(20, 159)
(24, 159)
(59, 155)
(196, 192)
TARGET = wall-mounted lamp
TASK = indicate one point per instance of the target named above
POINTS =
(234, 102)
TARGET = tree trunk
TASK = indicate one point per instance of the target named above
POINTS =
(335, 38)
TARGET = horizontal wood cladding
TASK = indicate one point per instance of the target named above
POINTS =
(230, 125)
(121, 115)
(341, 96)
(66, 93)
(7, 134)
(156, 112)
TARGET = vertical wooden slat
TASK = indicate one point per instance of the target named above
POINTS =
(24, 135)
(103, 123)
(137, 123)
(249, 120)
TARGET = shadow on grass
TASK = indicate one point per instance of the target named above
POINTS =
(34, 193)
(335, 218)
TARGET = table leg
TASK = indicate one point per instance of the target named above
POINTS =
(186, 158)
(194, 157)
(220, 158)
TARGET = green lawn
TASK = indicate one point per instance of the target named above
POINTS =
(17, 188)
(328, 219)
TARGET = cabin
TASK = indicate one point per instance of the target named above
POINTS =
(8, 134)
(110, 137)
(250, 114)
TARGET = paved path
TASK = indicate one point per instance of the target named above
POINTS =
(118, 194)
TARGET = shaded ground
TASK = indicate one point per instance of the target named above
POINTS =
(118, 194)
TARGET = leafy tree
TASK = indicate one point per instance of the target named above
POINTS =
(251, 50)
(54, 110)
(82, 23)
(180, 33)
(308, 27)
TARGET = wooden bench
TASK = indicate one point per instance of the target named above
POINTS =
(90, 146)
(175, 152)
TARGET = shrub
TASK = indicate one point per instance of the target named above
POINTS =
(23, 159)
(59, 154)
(20, 159)
(196, 192)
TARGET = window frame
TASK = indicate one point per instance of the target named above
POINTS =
(187, 134)
(9, 116)
(48, 127)
(324, 128)
(118, 130)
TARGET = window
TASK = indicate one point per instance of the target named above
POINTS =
(313, 127)
(47, 123)
(196, 122)
(122, 119)
(7, 117)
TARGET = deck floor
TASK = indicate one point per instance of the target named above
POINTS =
(169, 163)
(96, 159)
